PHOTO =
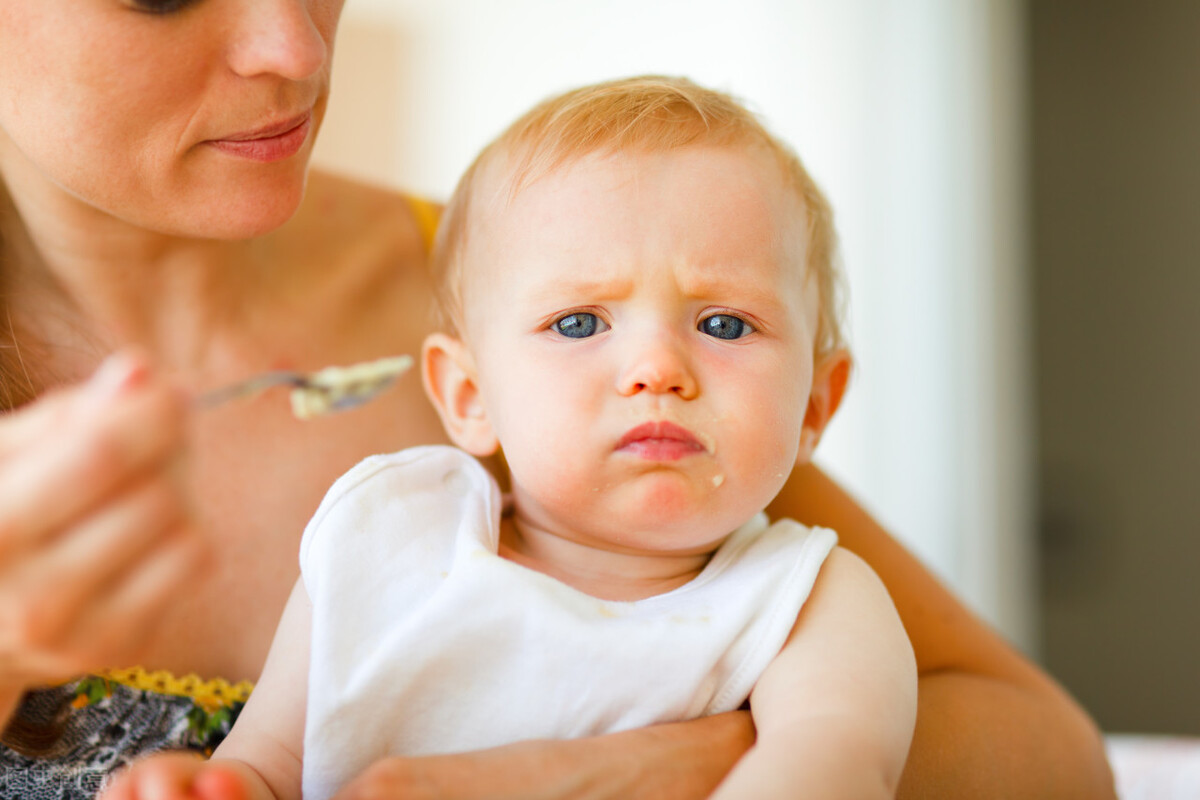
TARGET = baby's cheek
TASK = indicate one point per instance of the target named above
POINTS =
(779, 439)
(541, 449)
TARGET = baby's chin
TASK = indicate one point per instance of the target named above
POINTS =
(679, 513)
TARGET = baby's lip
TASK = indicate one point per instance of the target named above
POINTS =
(664, 432)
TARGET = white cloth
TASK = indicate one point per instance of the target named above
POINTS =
(425, 641)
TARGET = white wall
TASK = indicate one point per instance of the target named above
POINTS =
(908, 112)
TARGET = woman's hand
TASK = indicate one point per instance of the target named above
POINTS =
(95, 529)
(680, 760)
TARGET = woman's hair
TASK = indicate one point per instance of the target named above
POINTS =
(645, 114)
(21, 734)
(16, 386)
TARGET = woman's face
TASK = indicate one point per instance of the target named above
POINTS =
(193, 117)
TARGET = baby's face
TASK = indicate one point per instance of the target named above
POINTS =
(643, 332)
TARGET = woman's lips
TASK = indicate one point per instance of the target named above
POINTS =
(660, 441)
(272, 143)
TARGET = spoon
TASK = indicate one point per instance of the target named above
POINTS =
(317, 393)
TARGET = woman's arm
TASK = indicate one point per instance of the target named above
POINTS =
(989, 722)
(677, 761)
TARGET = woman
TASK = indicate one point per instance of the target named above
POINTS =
(157, 205)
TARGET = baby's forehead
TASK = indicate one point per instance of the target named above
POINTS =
(721, 210)
(505, 182)
(514, 168)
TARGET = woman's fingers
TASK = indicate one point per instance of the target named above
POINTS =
(108, 558)
(95, 527)
(135, 604)
(65, 455)
(106, 544)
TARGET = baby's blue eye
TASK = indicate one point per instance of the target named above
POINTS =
(725, 326)
(580, 325)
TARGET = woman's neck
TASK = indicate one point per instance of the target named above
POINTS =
(83, 282)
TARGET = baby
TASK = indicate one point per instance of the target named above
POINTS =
(640, 302)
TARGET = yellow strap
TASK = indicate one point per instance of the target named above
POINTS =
(428, 215)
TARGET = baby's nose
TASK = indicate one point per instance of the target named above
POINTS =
(658, 366)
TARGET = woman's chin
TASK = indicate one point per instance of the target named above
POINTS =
(239, 214)
(254, 223)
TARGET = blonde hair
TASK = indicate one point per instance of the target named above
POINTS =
(643, 114)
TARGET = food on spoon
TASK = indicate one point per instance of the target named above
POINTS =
(337, 388)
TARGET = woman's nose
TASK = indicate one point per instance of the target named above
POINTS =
(282, 37)
(657, 365)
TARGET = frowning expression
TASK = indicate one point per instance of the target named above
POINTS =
(642, 326)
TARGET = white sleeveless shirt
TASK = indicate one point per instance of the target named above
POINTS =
(425, 641)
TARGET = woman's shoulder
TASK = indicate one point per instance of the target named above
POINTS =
(356, 259)
(364, 230)
(340, 200)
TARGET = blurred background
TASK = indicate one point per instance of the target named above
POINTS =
(1017, 184)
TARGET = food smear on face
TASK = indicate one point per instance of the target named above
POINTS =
(338, 388)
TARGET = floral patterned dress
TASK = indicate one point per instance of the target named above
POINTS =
(96, 725)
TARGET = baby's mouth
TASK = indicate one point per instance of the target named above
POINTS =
(661, 441)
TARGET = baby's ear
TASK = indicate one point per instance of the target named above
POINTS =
(448, 371)
(830, 376)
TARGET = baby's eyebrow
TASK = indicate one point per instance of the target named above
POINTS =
(580, 287)
(730, 286)
(718, 286)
